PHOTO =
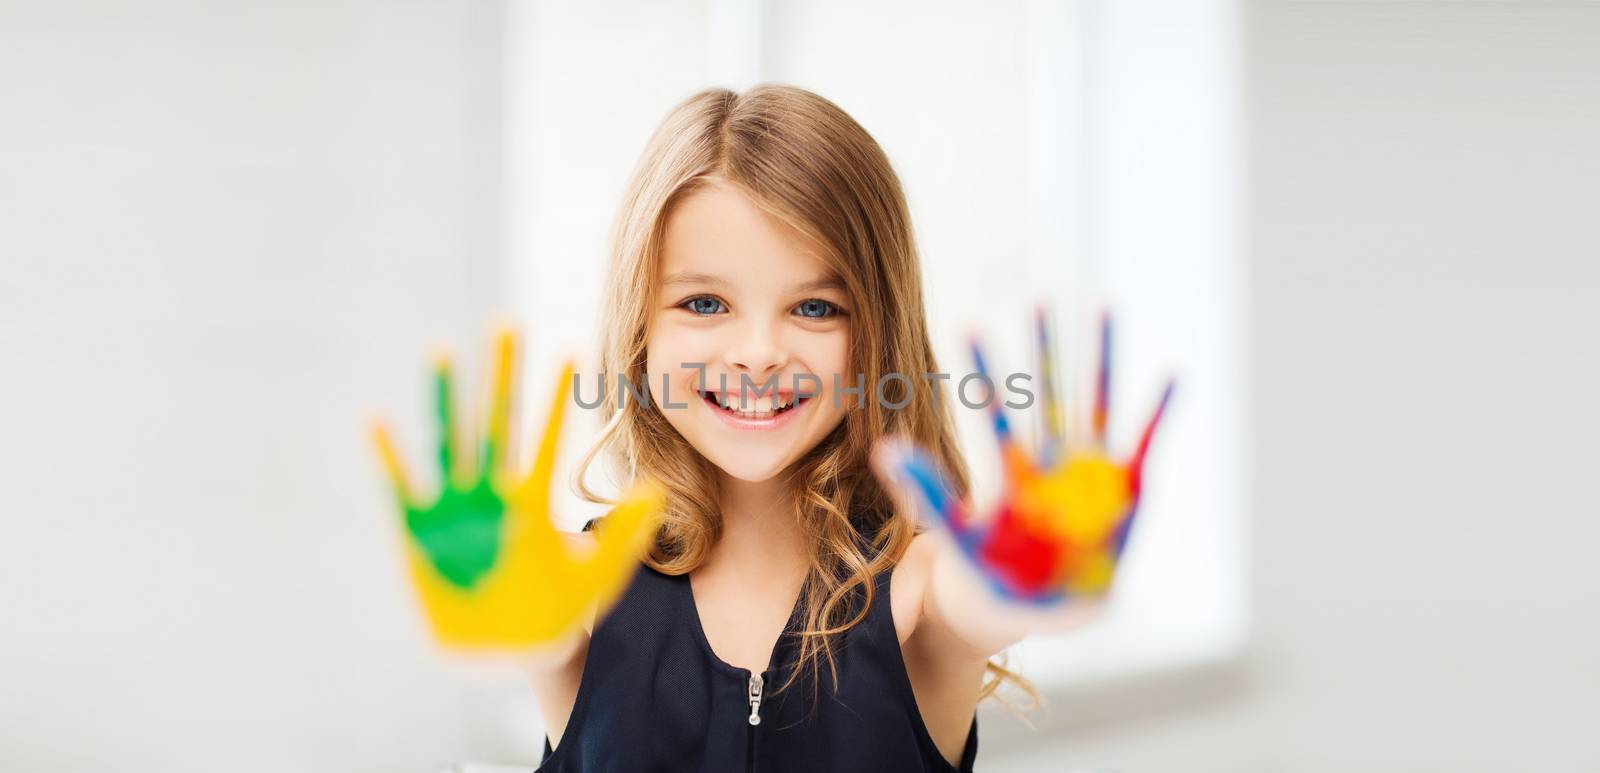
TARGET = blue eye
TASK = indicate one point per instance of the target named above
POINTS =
(702, 305)
(816, 309)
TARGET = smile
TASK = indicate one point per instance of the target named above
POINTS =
(765, 412)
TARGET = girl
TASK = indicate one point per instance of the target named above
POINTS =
(788, 616)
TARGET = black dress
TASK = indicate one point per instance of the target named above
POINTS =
(654, 697)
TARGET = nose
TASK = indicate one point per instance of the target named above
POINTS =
(758, 348)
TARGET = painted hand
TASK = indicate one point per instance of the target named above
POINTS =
(492, 571)
(1063, 519)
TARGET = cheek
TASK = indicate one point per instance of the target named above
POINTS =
(667, 348)
(658, 359)
(830, 354)
(668, 344)
(664, 346)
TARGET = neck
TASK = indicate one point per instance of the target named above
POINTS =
(761, 540)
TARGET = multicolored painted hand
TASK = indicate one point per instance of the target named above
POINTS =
(1063, 519)
(492, 571)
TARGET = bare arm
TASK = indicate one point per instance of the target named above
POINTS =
(555, 673)
(945, 673)
(946, 639)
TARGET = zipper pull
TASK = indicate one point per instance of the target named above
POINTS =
(755, 699)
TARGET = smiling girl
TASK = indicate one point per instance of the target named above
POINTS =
(788, 616)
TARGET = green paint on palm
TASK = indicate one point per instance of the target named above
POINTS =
(460, 531)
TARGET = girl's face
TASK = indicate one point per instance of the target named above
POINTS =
(742, 297)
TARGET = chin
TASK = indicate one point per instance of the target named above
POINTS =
(743, 467)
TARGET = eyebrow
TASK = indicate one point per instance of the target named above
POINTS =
(693, 277)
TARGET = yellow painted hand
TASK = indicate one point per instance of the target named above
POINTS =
(492, 571)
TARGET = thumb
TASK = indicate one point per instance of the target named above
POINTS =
(916, 483)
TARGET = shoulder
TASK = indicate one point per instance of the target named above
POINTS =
(908, 584)
(945, 678)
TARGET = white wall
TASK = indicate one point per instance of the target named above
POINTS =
(1426, 266)
(228, 233)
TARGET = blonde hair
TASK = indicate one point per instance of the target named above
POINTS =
(802, 159)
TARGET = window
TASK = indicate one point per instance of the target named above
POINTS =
(1085, 150)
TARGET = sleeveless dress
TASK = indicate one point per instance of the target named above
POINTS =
(655, 697)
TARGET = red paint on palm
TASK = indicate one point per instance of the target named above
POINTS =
(1026, 562)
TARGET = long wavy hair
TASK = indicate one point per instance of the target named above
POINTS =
(805, 161)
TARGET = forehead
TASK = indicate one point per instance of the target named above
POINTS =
(718, 233)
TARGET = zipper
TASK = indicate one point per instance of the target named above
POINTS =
(755, 699)
(756, 684)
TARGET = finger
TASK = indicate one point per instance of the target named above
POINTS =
(1002, 429)
(444, 412)
(1135, 465)
(904, 468)
(495, 452)
(534, 491)
(1017, 465)
(1102, 385)
(1054, 428)
(1119, 539)
(528, 502)
(390, 460)
(884, 463)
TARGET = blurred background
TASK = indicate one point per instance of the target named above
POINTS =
(1362, 234)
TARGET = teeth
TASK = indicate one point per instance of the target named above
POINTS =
(764, 406)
